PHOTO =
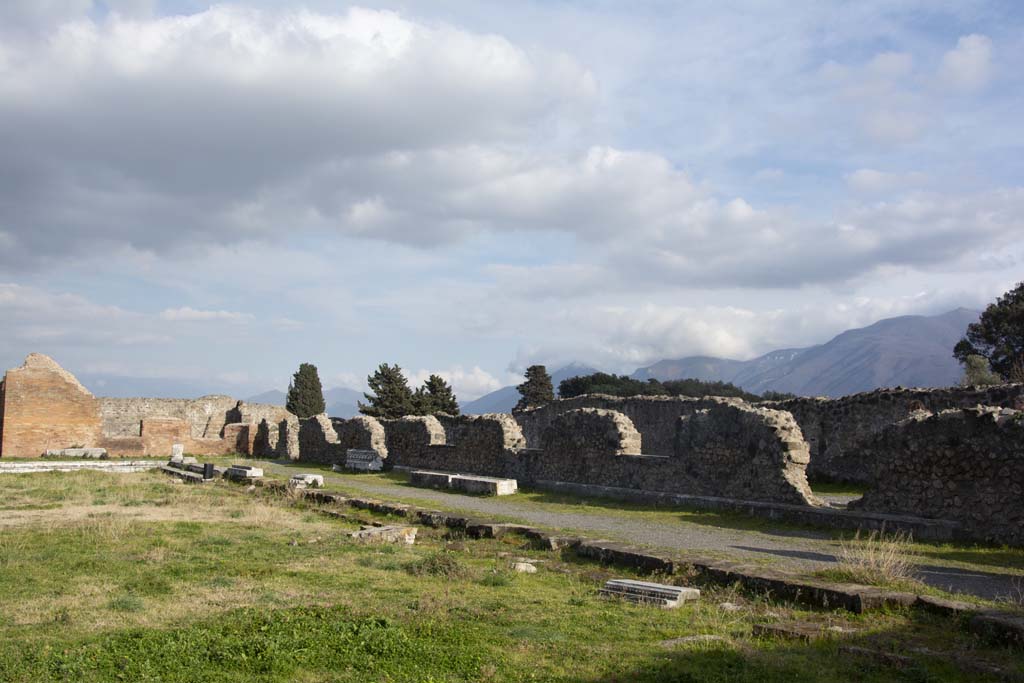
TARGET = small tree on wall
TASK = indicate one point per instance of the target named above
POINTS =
(305, 393)
(537, 389)
(998, 336)
(977, 373)
(435, 396)
(391, 397)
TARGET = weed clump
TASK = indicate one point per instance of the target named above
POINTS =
(441, 563)
(876, 559)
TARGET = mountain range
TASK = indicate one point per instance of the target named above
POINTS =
(909, 351)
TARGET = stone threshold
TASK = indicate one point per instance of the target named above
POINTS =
(22, 467)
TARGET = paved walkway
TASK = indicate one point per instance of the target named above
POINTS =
(783, 546)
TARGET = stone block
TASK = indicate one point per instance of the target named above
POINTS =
(611, 552)
(385, 534)
(78, 453)
(184, 475)
(645, 592)
(363, 460)
(177, 451)
(494, 529)
(1000, 627)
(241, 472)
(428, 479)
(487, 486)
(303, 481)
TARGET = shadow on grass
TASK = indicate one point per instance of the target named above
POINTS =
(895, 654)
(980, 555)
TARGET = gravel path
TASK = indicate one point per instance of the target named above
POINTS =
(782, 547)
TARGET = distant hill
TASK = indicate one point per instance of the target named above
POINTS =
(118, 386)
(341, 401)
(274, 397)
(504, 400)
(909, 351)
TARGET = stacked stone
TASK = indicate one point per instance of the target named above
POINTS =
(836, 429)
(735, 450)
(965, 465)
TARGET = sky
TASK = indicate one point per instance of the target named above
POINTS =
(219, 192)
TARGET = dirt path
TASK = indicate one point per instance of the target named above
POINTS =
(783, 547)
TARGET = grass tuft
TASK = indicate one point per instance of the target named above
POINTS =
(126, 603)
(876, 559)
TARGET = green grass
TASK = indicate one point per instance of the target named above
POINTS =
(214, 584)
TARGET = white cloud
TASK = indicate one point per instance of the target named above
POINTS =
(189, 314)
(893, 125)
(891, 65)
(467, 384)
(183, 113)
(39, 14)
(36, 319)
(291, 161)
(968, 66)
(874, 181)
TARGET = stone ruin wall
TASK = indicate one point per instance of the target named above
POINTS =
(653, 416)
(965, 465)
(205, 417)
(727, 449)
(46, 408)
(325, 440)
(837, 429)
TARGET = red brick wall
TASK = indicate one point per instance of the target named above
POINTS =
(240, 436)
(44, 407)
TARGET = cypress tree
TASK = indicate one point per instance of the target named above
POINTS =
(305, 393)
(537, 389)
(391, 397)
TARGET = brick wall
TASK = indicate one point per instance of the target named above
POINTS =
(44, 408)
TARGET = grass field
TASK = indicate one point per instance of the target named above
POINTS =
(107, 577)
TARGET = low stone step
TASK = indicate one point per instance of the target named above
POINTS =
(429, 479)
(303, 481)
(386, 534)
(184, 475)
(488, 486)
(77, 453)
(466, 483)
(646, 592)
(243, 472)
